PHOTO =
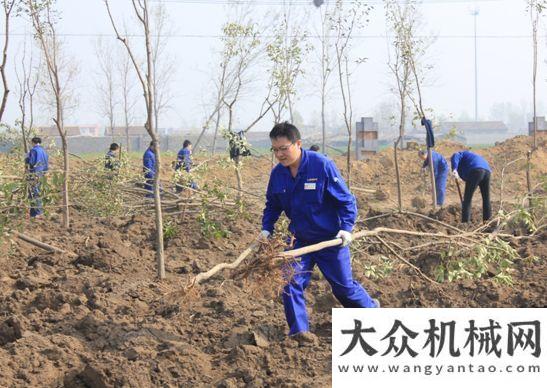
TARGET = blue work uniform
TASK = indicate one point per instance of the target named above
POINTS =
(466, 161)
(475, 171)
(184, 161)
(149, 169)
(440, 169)
(37, 162)
(318, 204)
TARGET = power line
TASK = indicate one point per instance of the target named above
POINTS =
(307, 2)
(218, 36)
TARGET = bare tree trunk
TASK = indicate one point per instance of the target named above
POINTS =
(397, 174)
(64, 145)
(217, 124)
(147, 83)
(66, 210)
(528, 179)
(153, 132)
(24, 132)
(8, 7)
(432, 176)
(534, 80)
(239, 178)
(323, 125)
(348, 161)
(402, 122)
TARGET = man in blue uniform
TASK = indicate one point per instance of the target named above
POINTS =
(475, 171)
(440, 169)
(150, 169)
(37, 163)
(184, 162)
(309, 189)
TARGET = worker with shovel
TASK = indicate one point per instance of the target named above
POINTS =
(440, 169)
(309, 189)
(475, 171)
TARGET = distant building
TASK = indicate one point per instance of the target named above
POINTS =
(475, 132)
(72, 130)
(366, 139)
(542, 126)
(133, 130)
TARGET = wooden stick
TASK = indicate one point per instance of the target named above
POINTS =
(459, 190)
(367, 233)
(39, 244)
(222, 266)
(370, 191)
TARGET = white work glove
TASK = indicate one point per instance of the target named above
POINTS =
(456, 175)
(345, 236)
(263, 236)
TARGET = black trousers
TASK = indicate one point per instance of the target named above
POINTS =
(478, 177)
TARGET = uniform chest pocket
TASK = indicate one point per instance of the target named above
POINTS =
(282, 196)
(313, 192)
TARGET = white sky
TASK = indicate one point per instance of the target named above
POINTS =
(504, 57)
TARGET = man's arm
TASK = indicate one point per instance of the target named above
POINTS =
(272, 210)
(345, 201)
(455, 160)
(32, 159)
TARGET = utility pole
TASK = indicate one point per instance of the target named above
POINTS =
(475, 13)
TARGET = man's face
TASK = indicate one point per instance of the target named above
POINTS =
(189, 147)
(423, 157)
(287, 153)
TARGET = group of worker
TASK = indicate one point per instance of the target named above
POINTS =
(308, 188)
(472, 168)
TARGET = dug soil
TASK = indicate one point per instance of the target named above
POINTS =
(96, 316)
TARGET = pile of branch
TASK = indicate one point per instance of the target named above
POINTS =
(270, 257)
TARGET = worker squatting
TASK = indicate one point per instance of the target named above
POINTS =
(307, 187)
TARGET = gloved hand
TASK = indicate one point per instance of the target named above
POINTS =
(263, 236)
(456, 175)
(345, 236)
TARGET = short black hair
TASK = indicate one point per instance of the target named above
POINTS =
(114, 146)
(36, 140)
(285, 130)
(315, 148)
(186, 143)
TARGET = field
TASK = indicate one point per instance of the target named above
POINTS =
(96, 315)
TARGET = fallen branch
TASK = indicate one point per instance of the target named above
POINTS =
(39, 244)
(222, 266)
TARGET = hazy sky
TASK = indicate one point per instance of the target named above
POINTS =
(504, 58)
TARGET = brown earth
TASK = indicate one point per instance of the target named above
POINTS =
(100, 318)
